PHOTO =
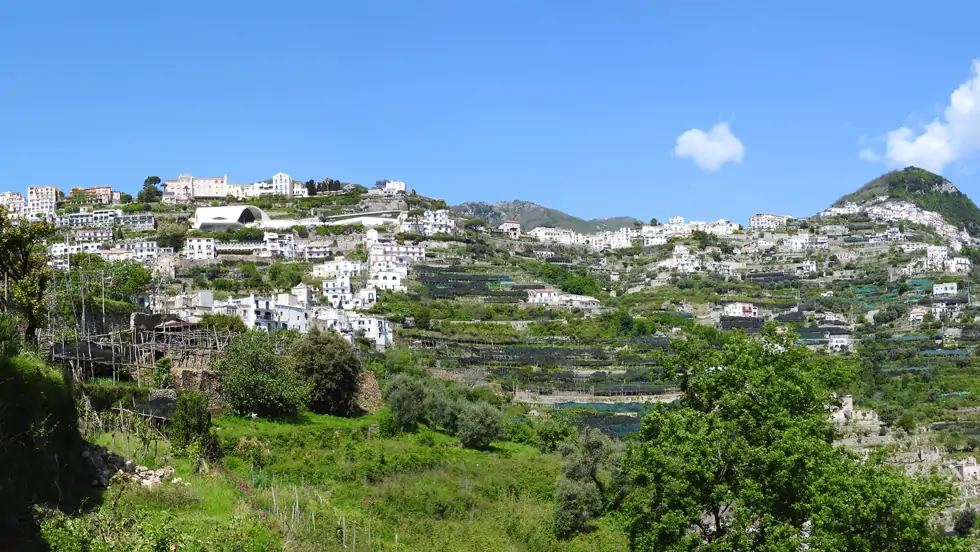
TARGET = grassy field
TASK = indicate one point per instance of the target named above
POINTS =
(296, 486)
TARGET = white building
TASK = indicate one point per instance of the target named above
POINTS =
(317, 251)
(306, 296)
(511, 228)
(944, 289)
(746, 310)
(188, 188)
(42, 202)
(280, 245)
(197, 249)
(64, 249)
(299, 190)
(381, 252)
(542, 296)
(957, 265)
(339, 266)
(140, 250)
(840, 342)
(13, 201)
(93, 234)
(388, 279)
(391, 187)
(429, 223)
(767, 221)
(808, 267)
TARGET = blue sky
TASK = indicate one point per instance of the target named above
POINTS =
(574, 105)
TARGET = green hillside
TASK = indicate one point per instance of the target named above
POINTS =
(531, 215)
(929, 191)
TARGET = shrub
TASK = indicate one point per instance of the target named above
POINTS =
(406, 399)
(254, 380)
(441, 409)
(575, 504)
(552, 434)
(161, 373)
(963, 521)
(479, 425)
(519, 430)
(387, 425)
(192, 424)
(329, 364)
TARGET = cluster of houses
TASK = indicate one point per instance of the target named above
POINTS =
(883, 208)
(42, 202)
(647, 235)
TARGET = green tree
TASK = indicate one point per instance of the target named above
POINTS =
(478, 425)
(254, 379)
(222, 323)
(654, 221)
(23, 265)
(150, 192)
(405, 397)
(581, 488)
(747, 462)
(474, 223)
(330, 365)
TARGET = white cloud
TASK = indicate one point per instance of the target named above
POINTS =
(946, 140)
(712, 149)
(868, 154)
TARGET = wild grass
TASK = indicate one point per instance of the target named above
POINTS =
(316, 483)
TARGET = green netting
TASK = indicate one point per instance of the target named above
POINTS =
(868, 288)
(918, 284)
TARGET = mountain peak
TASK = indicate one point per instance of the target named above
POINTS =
(531, 215)
(927, 190)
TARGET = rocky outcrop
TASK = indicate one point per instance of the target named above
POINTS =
(104, 464)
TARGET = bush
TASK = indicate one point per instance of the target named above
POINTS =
(575, 504)
(10, 341)
(479, 425)
(330, 366)
(254, 380)
(441, 409)
(161, 373)
(387, 425)
(192, 424)
(406, 399)
(552, 434)
(964, 521)
(105, 394)
(519, 430)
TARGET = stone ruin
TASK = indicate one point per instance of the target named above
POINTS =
(104, 464)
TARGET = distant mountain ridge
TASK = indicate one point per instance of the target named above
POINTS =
(531, 215)
(927, 190)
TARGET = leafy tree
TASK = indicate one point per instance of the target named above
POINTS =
(405, 397)
(654, 222)
(746, 462)
(222, 323)
(254, 380)
(330, 365)
(964, 521)
(125, 198)
(23, 263)
(171, 235)
(581, 489)
(478, 425)
(576, 503)
(150, 192)
(310, 188)
(442, 410)
(191, 425)
(423, 319)
(474, 223)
